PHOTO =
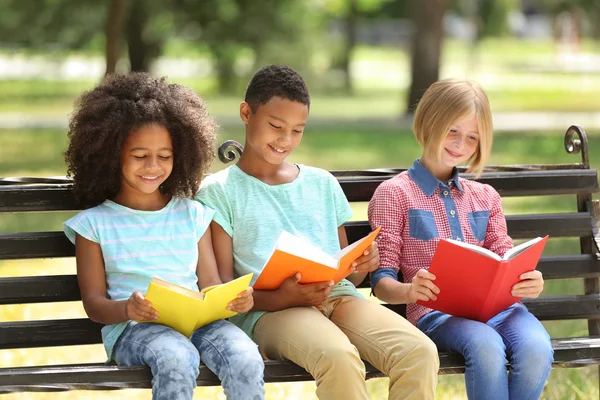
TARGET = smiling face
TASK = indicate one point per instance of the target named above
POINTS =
(461, 142)
(146, 161)
(274, 130)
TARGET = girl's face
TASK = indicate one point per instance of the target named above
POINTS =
(146, 160)
(461, 142)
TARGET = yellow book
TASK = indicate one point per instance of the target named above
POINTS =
(186, 310)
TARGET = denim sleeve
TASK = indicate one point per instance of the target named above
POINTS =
(382, 273)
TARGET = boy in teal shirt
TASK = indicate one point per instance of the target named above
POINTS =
(324, 328)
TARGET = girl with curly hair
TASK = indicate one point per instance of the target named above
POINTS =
(138, 150)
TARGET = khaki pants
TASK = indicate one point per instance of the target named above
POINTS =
(330, 341)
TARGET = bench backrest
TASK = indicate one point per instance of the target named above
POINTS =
(577, 180)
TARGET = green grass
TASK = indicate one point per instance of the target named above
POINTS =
(39, 153)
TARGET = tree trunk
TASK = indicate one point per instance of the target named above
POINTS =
(225, 67)
(114, 33)
(351, 33)
(427, 43)
(142, 49)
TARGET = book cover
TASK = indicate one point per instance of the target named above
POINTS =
(292, 254)
(476, 283)
(187, 310)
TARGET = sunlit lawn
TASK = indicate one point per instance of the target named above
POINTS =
(39, 153)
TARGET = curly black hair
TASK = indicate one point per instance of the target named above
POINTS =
(120, 104)
(276, 80)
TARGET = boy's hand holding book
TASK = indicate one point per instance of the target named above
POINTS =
(138, 308)
(422, 287)
(530, 285)
(368, 261)
(295, 294)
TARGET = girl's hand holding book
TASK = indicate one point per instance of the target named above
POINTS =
(531, 285)
(243, 303)
(422, 287)
(138, 308)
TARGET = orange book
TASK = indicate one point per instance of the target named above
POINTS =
(474, 282)
(292, 254)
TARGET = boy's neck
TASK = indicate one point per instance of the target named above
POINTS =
(146, 202)
(271, 174)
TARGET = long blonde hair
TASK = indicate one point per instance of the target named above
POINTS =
(446, 102)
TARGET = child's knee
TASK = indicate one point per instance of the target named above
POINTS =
(339, 356)
(533, 355)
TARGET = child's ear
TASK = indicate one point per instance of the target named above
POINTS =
(245, 112)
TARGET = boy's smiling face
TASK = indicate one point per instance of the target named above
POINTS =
(275, 129)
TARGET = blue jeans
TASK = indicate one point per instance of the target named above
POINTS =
(514, 335)
(174, 359)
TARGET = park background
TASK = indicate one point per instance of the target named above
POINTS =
(366, 63)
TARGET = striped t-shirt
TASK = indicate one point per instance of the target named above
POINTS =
(139, 245)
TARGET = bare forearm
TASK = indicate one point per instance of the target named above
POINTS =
(268, 300)
(357, 277)
(391, 291)
(105, 311)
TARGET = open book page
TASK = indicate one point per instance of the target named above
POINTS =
(299, 247)
(520, 248)
(179, 289)
(476, 248)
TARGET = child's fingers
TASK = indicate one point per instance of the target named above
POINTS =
(528, 283)
(531, 275)
(423, 273)
(246, 293)
(428, 293)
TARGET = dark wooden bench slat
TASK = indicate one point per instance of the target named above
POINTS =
(550, 308)
(27, 245)
(576, 224)
(569, 352)
(27, 198)
(47, 333)
(529, 183)
(55, 288)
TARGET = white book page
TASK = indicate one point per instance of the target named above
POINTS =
(477, 249)
(520, 248)
(292, 244)
(345, 250)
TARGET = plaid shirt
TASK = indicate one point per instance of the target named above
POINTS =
(416, 210)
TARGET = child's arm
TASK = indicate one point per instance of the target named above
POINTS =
(209, 273)
(364, 264)
(394, 292)
(92, 284)
(289, 294)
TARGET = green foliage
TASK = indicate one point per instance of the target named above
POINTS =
(51, 23)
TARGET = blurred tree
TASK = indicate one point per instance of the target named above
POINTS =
(350, 11)
(51, 23)
(114, 32)
(228, 27)
(426, 49)
(148, 25)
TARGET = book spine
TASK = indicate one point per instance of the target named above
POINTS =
(495, 287)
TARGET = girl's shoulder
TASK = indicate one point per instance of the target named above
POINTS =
(478, 189)
(400, 183)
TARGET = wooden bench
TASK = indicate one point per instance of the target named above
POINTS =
(34, 195)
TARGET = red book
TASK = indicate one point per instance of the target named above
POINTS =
(474, 282)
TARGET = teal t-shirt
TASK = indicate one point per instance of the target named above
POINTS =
(139, 245)
(254, 213)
